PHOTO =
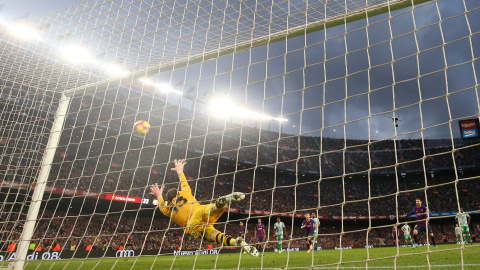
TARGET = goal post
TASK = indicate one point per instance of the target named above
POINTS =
(41, 183)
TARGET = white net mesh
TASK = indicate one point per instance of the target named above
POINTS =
(374, 93)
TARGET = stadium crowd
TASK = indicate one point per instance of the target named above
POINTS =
(132, 173)
(286, 192)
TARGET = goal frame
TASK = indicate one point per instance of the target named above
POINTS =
(41, 182)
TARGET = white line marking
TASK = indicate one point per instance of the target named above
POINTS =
(398, 267)
(356, 267)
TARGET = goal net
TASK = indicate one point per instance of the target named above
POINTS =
(354, 111)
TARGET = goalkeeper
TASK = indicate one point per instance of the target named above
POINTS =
(197, 219)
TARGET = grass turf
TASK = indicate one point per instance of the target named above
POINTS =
(446, 257)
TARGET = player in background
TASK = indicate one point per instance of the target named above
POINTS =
(477, 232)
(309, 226)
(260, 233)
(395, 233)
(458, 233)
(280, 231)
(242, 232)
(464, 220)
(406, 234)
(422, 225)
(196, 219)
(315, 232)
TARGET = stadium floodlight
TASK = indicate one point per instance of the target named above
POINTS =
(146, 81)
(164, 87)
(23, 31)
(161, 87)
(223, 108)
(114, 69)
(75, 54)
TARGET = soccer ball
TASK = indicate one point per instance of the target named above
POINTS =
(141, 127)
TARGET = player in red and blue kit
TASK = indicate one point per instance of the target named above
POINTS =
(260, 232)
(422, 225)
(395, 234)
(309, 225)
(242, 230)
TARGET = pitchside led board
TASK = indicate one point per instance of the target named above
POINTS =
(469, 128)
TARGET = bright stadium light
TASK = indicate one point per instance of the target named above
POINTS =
(164, 87)
(23, 31)
(114, 69)
(75, 54)
(161, 87)
(222, 108)
(146, 81)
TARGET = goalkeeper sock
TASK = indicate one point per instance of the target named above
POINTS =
(415, 238)
(224, 239)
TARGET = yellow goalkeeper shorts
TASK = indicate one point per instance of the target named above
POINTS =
(201, 221)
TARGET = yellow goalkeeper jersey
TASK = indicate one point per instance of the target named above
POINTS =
(183, 205)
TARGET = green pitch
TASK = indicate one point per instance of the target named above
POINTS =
(380, 258)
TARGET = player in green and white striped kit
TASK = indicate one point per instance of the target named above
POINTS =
(279, 228)
(458, 233)
(406, 234)
(464, 220)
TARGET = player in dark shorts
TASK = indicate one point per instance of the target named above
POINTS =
(309, 226)
(242, 230)
(395, 234)
(260, 232)
(422, 225)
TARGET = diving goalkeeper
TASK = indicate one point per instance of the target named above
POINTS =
(197, 219)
